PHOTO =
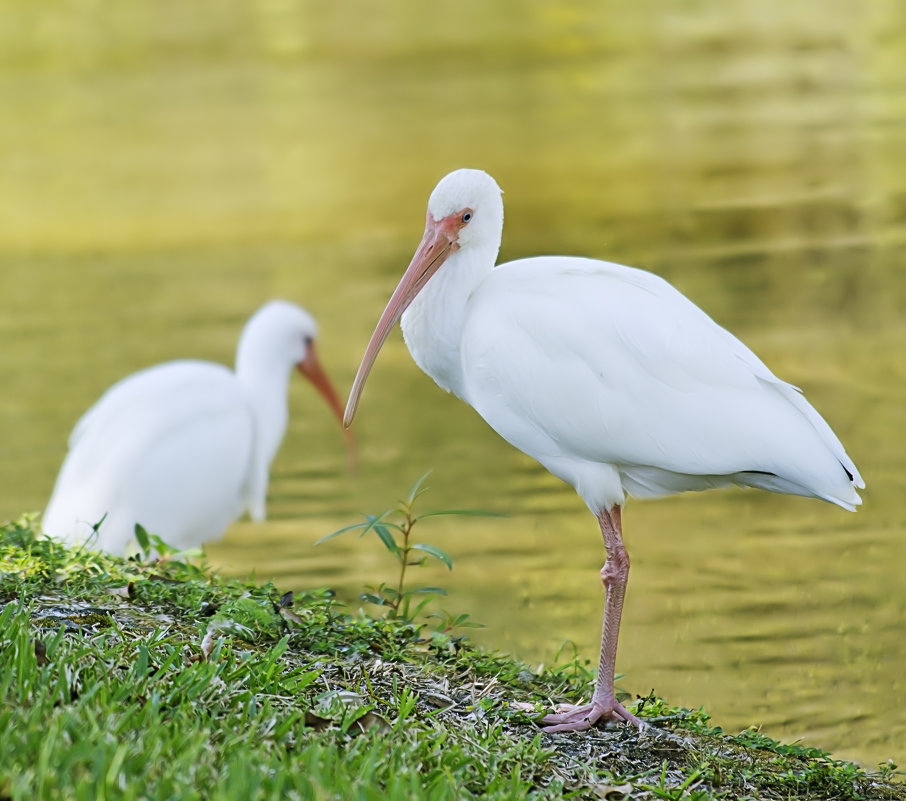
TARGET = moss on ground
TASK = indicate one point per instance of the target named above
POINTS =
(154, 678)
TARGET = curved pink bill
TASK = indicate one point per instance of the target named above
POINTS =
(311, 368)
(437, 243)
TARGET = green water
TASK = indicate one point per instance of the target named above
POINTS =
(164, 170)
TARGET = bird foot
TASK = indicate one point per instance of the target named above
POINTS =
(569, 717)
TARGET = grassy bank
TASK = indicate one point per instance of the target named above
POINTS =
(153, 678)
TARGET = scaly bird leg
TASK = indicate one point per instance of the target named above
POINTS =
(604, 704)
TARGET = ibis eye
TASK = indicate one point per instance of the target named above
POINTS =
(308, 341)
(467, 216)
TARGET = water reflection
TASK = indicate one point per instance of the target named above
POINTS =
(165, 172)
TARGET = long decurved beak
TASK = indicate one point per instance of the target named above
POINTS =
(436, 245)
(311, 368)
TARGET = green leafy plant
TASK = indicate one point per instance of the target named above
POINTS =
(887, 770)
(685, 791)
(394, 529)
(569, 664)
(152, 544)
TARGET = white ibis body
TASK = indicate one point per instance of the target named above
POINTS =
(184, 448)
(607, 375)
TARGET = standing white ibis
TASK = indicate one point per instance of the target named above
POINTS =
(185, 447)
(608, 376)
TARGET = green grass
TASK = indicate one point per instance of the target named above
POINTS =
(152, 678)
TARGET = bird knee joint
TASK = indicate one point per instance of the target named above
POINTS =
(616, 568)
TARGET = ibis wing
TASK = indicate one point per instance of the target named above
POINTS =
(575, 358)
(170, 447)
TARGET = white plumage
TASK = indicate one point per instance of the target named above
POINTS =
(607, 375)
(184, 448)
(674, 401)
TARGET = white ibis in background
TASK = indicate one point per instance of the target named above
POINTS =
(184, 447)
(608, 376)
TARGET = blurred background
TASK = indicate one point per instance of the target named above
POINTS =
(167, 167)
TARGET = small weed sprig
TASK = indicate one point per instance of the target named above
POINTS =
(394, 529)
(152, 545)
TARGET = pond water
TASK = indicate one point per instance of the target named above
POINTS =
(165, 170)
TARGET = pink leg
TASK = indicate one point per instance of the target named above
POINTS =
(614, 574)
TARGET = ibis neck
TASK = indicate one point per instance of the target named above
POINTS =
(432, 325)
(267, 386)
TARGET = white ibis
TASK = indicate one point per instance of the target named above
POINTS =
(184, 447)
(608, 376)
